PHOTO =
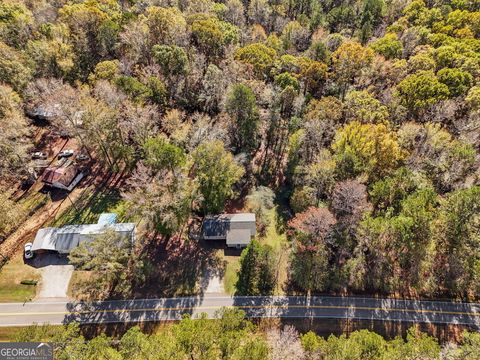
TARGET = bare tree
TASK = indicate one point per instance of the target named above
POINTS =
(349, 200)
(285, 344)
(315, 222)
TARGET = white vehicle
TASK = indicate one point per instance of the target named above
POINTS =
(28, 251)
(39, 155)
(82, 157)
(65, 153)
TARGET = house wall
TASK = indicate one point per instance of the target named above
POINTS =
(214, 237)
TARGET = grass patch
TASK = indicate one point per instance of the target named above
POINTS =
(274, 236)
(87, 209)
(10, 277)
(232, 267)
(34, 200)
(277, 239)
(78, 278)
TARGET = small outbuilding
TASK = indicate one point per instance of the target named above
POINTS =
(65, 176)
(236, 229)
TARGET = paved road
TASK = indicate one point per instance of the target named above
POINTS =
(60, 312)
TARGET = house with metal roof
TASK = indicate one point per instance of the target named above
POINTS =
(64, 175)
(236, 229)
(66, 238)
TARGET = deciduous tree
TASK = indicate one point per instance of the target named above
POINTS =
(216, 172)
(348, 61)
(366, 148)
(420, 90)
(109, 257)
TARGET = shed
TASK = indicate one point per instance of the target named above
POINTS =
(59, 175)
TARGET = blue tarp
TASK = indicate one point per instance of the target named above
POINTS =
(107, 219)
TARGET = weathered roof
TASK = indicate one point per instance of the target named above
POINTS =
(62, 175)
(215, 227)
(239, 217)
(239, 237)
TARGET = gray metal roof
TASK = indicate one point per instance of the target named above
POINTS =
(239, 217)
(239, 237)
(45, 239)
(68, 237)
(220, 225)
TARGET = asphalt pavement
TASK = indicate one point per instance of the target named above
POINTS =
(143, 310)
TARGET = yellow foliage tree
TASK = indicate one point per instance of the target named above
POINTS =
(348, 61)
(366, 148)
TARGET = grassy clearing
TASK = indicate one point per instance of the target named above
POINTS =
(232, 267)
(274, 234)
(87, 209)
(10, 277)
(75, 285)
(34, 200)
(276, 237)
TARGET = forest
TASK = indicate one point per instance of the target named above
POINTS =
(231, 336)
(360, 119)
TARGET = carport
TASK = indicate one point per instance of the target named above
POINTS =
(61, 240)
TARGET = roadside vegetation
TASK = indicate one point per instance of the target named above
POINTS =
(231, 336)
(350, 128)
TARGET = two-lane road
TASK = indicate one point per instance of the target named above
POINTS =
(61, 312)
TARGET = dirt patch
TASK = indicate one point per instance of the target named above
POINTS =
(213, 282)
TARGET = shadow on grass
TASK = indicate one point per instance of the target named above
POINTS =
(87, 209)
(284, 212)
(178, 268)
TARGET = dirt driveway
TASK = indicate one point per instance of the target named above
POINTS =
(56, 274)
(212, 282)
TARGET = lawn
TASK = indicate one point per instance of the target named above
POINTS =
(10, 277)
(232, 267)
(34, 200)
(75, 284)
(91, 204)
(277, 239)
